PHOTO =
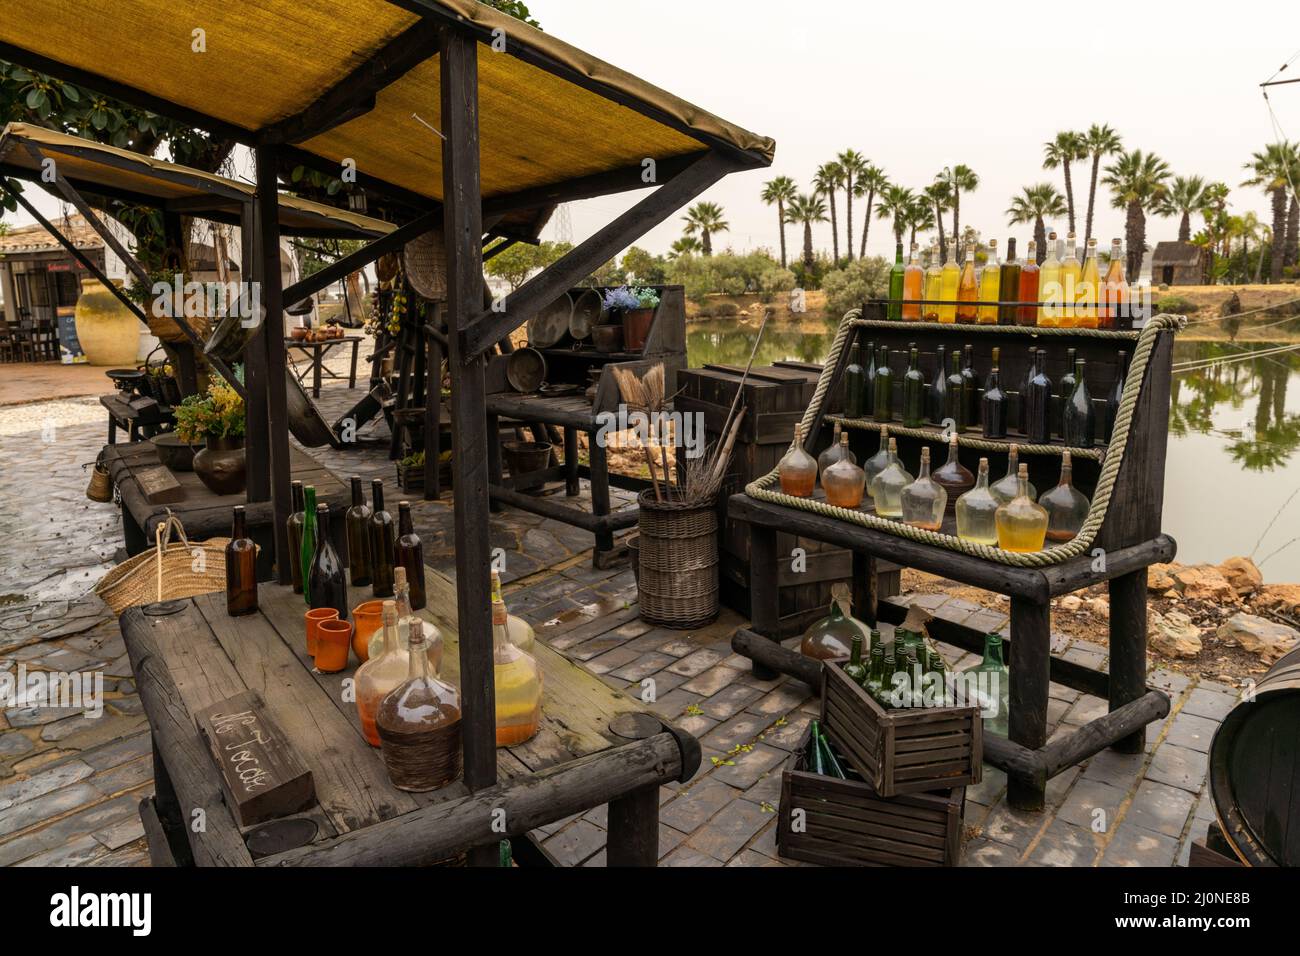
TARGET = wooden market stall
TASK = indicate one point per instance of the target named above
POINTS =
(520, 120)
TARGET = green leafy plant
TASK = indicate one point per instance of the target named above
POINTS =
(646, 297)
(218, 414)
(848, 287)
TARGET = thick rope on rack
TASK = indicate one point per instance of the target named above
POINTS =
(1079, 545)
(971, 441)
(1025, 330)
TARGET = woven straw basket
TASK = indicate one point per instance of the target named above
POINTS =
(167, 572)
(678, 578)
(425, 258)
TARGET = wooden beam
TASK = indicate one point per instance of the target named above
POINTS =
(463, 231)
(257, 426)
(354, 95)
(342, 268)
(490, 327)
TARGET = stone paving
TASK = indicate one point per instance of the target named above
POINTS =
(69, 784)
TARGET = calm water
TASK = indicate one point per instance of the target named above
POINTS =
(1232, 485)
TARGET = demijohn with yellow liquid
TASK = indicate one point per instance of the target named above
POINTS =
(518, 682)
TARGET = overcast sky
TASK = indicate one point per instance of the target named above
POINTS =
(917, 86)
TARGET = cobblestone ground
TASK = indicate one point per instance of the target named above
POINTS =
(69, 785)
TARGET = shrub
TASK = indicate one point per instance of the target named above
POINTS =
(726, 310)
(848, 287)
(1175, 305)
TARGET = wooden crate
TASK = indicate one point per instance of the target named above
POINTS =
(900, 750)
(846, 823)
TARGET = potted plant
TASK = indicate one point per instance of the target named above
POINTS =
(215, 420)
(637, 321)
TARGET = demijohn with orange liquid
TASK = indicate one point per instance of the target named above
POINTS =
(913, 288)
(518, 682)
(382, 673)
(419, 724)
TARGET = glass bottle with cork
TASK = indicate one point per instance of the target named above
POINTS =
(326, 583)
(357, 523)
(419, 725)
(309, 532)
(241, 568)
(294, 525)
(408, 552)
(383, 543)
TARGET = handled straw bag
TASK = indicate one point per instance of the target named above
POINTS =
(173, 569)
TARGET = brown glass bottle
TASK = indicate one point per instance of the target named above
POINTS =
(357, 521)
(409, 554)
(294, 524)
(241, 569)
(382, 543)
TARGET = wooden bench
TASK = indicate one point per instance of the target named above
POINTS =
(596, 746)
(140, 416)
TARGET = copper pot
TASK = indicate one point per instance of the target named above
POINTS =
(220, 465)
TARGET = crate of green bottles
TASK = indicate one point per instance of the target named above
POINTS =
(904, 740)
(830, 815)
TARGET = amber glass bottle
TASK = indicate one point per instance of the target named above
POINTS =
(1066, 506)
(843, 480)
(383, 541)
(953, 476)
(1009, 285)
(241, 568)
(832, 635)
(1027, 315)
(913, 287)
(968, 291)
(294, 526)
(387, 668)
(357, 522)
(798, 469)
(835, 451)
(408, 553)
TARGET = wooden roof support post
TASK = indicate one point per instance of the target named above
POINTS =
(257, 425)
(271, 357)
(463, 231)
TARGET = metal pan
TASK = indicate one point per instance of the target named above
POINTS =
(526, 370)
(549, 325)
(586, 313)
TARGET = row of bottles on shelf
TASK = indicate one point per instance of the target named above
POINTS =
(1008, 514)
(957, 397)
(1070, 292)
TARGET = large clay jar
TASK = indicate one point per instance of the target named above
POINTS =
(636, 328)
(220, 465)
(108, 331)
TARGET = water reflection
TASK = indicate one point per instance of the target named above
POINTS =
(728, 342)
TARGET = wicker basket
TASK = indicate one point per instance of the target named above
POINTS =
(425, 259)
(173, 569)
(678, 560)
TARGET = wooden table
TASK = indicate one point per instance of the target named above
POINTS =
(207, 515)
(139, 416)
(187, 655)
(318, 351)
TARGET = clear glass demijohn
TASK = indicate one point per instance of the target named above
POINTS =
(977, 511)
(887, 489)
(923, 500)
(1066, 506)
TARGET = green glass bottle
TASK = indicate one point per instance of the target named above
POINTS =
(813, 760)
(294, 525)
(357, 523)
(832, 762)
(308, 550)
(888, 665)
(855, 377)
(914, 673)
(1078, 419)
(913, 392)
(956, 399)
(869, 382)
(854, 669)
(995, 684)
(895, 310)
(940, 671)
(883, 406)
(383, 544)
(876, 671)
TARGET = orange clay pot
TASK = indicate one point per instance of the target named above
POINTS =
(333, 641)
(368, 616)
(313, 619)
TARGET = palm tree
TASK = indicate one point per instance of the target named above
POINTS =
(939, 195)
(685, 246)
(871, 181)
(1186, 195)
(1068, 147)
(706, 219)
(959, 178)
(780, 191)
(920, 217)
(1291, 251)
(1100, 141)
(1270, 170)
(829, 178)
(807, 209)
(1035, 204)
(1247, 228)
(854, 164)
(1137, 183)
(896, 203)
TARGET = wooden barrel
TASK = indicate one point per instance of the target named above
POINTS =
(1255, 770)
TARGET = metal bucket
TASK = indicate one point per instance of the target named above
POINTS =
(526, 370)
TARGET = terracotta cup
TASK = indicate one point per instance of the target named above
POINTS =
(333, 641)
(314, 617)
(368, 616)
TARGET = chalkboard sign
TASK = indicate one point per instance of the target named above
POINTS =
(70, 352)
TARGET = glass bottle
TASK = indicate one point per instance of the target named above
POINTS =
(924, 500)
(1038, 404)
(933, 286)
(833, 767)
(883, 410)
(894, 311)
(869, 382)
(836, 450)
(419, 724)
(1115, 292)
(1085, 313)
(241, 568)
(1066, 506)
(1008, 486)
(357, 521)
(832, 635)
(814, 762)
(990, 287)
(888, 667)
(887, 489)
(843, 481)
(977, 510)
(1116, 393)
(408, 621)
(309, 532)
(383, 542)
(1027, 315)
(408, 552)
(968, 291)
(875, 669)
(797, 470)
(521, 632)
(956, 394)
(294, 525)
(970, 386)
(854, 383)
(877, 463)
(1071, 278)
(1009, 285)
(326, 582)
(954, 477)
(993, 407)
(1078, 419)
(938, 396)
(854, 669)
(1049, 287)
(913, 283)
(387, 668)
(994, 683)
(1022, 523)
(913, 392)
(518, 682)
(1064, 390)
(949, 280)
(1031, 369)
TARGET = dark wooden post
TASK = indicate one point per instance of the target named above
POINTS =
(182, 353)
(272, 354)
(1128, 649)
(865, 590)
(256, 422)
(634, 818)
(1031, 640)
(433, 410)
(764, 595)
(463, 231)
